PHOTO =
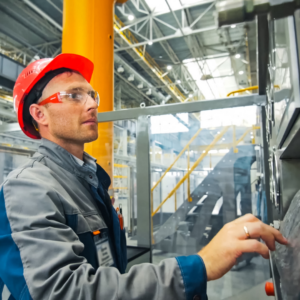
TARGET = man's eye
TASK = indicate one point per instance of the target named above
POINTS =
(92, 94)
(75, 96)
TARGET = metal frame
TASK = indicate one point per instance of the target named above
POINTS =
(4, 128)
(189, 107)
(143, 177)
(292, 111)
(262, 66)
(148, 20)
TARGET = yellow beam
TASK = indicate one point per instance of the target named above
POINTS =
(217, 138)
(120, 166)
(188, 179)
(246, 132)
(235, 150)
(207, 149)
(128, 36)
(176, 159)
(88, 31)
(250, 88)
(120, 176)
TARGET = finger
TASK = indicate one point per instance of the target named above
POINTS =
(265, 232)
(257, 230)
(265, 229)
(250, 246)
(278, 236)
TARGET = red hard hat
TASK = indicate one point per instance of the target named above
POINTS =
(29, 86)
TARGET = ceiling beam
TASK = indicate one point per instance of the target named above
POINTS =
(9, 127)
(44, 15)
(185, 32)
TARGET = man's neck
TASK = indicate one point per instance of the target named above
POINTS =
(75, 149)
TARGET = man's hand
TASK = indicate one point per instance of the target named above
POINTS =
(231, 242)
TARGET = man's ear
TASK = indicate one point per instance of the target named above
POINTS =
(38, 114)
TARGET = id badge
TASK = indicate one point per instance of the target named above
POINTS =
(105, 258)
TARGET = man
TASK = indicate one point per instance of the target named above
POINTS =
(56, 217)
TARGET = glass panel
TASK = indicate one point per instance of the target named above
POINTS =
(280, 69)
(124, 178)
(204, 175)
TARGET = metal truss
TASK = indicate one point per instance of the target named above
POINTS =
(141, 7)
(27, 54)
(148, 20)
(32, 12)
(186, 28)
(147, 28)
(194, 43)
(43, 14)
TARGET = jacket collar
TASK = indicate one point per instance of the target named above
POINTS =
(67, 161)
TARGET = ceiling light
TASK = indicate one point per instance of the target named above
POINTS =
(238, 55)
(233, 26)
(241, 72)
(190, 95)
(169, 68)
(160, 57)
(131, 77)
(130, 17)
(120, 69)
(150, 43)
(206, 77)
(178, 81)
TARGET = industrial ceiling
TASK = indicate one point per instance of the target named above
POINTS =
(166, 51)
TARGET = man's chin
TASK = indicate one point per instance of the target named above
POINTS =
(91, 137)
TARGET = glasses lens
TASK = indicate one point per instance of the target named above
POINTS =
(97, 98)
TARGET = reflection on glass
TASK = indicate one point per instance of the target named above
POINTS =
(124, 181)
(280, 69)
(204, 175)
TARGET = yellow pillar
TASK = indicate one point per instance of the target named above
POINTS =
(88, 31)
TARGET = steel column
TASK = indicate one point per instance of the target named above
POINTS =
(94, 40)
(143, 183)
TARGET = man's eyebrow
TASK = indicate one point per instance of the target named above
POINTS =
(80, 88)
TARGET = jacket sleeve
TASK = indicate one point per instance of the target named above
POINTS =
(40, 256)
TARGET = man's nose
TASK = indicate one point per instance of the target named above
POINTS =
(91, 103)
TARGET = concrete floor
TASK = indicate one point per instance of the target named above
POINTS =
(235, 282)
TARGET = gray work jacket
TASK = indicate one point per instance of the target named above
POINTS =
(49, 209)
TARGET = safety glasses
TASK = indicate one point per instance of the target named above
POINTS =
(79, 97)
